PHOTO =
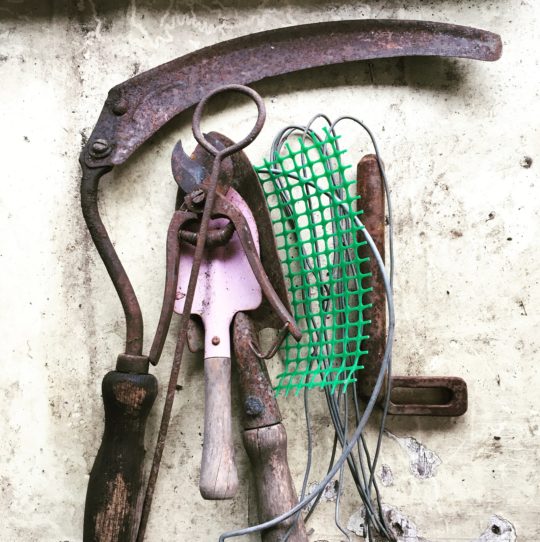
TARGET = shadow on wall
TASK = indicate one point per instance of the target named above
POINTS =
(86, 10)
(97, 17)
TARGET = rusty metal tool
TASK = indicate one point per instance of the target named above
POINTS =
(293, 164)
(265, 438)
(215, 206)
(139, 107)
(132, 113)
(428, 395)
(264, 435)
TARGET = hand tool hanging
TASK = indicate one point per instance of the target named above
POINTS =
(335, 274)
(226, 266)
(450, 392)
(132, 113)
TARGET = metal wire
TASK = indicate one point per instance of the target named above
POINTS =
(363, 465)
(361, 424)
(366, 495)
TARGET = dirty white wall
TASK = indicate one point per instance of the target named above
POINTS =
(460, 140)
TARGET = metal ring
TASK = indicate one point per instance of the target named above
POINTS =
(227, 151)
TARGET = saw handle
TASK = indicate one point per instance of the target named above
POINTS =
(114, 495)
(219, 478)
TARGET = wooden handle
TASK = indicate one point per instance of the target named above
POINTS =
(219, 479)
(370, 187)
(267, 451)
(114, 496)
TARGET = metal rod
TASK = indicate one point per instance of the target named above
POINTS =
(122, 284)
(190, 294)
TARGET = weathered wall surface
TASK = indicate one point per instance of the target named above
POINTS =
(460, 140)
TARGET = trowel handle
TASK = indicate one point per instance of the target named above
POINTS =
(114, 495)
(219, 478)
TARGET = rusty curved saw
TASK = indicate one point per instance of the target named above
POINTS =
(137, 109)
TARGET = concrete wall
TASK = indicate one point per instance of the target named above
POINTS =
(460, 140)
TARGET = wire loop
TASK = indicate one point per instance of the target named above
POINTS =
(227, 151)
(274, 347)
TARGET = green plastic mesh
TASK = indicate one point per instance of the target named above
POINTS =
(312, 206)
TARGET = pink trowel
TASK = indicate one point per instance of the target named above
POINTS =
(225, 286)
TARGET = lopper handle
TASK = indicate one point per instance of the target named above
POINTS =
(267, 451)
(219, 478)
(114, 495)
(265, 438)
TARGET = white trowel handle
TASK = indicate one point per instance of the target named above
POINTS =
(219, 478)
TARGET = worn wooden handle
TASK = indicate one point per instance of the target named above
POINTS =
(267, 451)
(219, 478)
(114, 496)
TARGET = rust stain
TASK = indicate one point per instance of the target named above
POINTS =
(109, 520)
(129, 394)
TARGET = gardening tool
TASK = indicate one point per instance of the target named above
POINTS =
(322, 232)
(203, 203)
(265, 438)
(264, 435)
(226, 285)
(318, 228)
(133, 112)
(429, 395)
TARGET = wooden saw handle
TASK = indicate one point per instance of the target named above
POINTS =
(114, 495)
(219, 478)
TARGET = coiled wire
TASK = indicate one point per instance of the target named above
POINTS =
(355, 453)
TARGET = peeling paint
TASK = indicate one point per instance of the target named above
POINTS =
(498, 530)
(423, 462)
(330, 492)
(355, 524)
(386, 476)
(403, 528)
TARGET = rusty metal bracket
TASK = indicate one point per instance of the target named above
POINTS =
(139, 107)
(420, 395)
(257, 395)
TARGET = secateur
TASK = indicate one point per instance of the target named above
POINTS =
(132, 113)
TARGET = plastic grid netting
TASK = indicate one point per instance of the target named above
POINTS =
(313, 208)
